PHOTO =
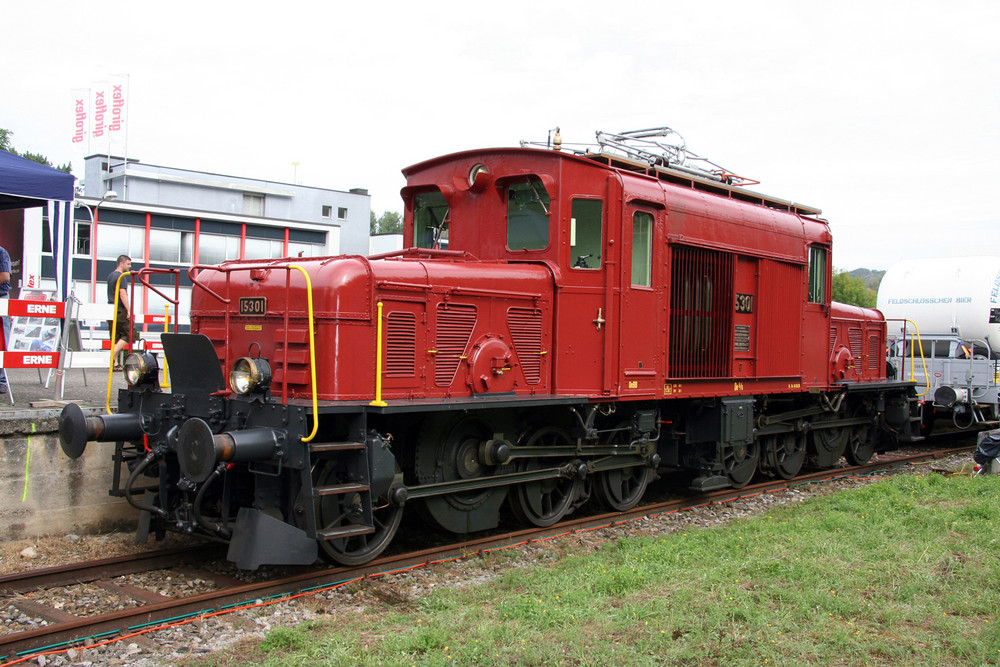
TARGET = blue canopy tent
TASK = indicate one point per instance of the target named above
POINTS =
(28, 184)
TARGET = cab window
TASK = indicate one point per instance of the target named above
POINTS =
(585, 234)
(527, 215)
(430, 220)
(642, 248)
(817, 275)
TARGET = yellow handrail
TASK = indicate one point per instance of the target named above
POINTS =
(114, 322)
(166, 329)
(378, 402)
(923, 362)
(312, 352)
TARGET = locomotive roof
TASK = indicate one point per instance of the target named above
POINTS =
(680, 177)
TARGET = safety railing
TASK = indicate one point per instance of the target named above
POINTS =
(141, 277)
(226, 300)
(911, 343)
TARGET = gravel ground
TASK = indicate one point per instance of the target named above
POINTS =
(200, 637)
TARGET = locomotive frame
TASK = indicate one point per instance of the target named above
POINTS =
(561, 327)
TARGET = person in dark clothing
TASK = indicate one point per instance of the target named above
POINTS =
(122, 325)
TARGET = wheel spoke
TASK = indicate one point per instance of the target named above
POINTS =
(861, 440)
(622, 488)
(740, 463)
(544, 502)
(784, 454)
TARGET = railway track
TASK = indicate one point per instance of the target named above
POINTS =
(153, 609)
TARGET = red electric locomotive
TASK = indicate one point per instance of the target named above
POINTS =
(562, 326)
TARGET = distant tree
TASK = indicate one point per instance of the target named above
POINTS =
(873, 281)
(852, 291)
(872, 278)
(389, 222)
(5, 144)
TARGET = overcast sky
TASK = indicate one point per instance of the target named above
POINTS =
(886, 115)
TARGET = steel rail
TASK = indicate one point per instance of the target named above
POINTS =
(76, 633)
(106, 568)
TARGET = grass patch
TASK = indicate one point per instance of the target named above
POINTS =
(902, 571)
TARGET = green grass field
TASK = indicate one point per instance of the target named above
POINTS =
(905, 571)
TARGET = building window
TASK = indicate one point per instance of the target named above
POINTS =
(215, 249)
(164, 246)
(298, 249)
(82, 238)
(187, 247)
(342, 213)
(115, 240)
(253, 204)
(327, 211)
(263, 249)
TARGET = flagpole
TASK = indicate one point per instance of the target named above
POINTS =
(128, 104)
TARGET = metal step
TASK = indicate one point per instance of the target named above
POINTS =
(343, 532)
(339, 489)
(320, 447)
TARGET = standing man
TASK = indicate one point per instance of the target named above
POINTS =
(4, 293)
(123, 322)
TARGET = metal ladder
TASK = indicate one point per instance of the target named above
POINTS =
(354, 456)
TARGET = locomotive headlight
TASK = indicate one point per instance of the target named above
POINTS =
(479, 177)
(249, 375)
(140, 368)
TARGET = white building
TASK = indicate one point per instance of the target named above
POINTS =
(167, 218)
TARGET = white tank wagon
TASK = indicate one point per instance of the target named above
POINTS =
(955, 304)
(945, 295)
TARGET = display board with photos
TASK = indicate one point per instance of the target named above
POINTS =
(34, 334)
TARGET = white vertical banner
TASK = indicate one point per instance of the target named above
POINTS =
(117, 117)
(81, 120)
(100, 100)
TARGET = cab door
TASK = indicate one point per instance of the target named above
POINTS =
(582, 303)
(640, 322)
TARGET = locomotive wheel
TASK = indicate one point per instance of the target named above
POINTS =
(346, 510)
(546, 501)
(448, 450)
(785, 453)
(861, 441)
(740, 463)
(826, 446)
(621, 489)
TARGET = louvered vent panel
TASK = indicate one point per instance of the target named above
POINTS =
(526, 332)
(400, 344)
(833, 338)
(874, 353)
(856, 338)
(701, 313)
(455, 324)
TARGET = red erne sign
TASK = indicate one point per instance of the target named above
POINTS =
(30, 359)
(18, 308)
